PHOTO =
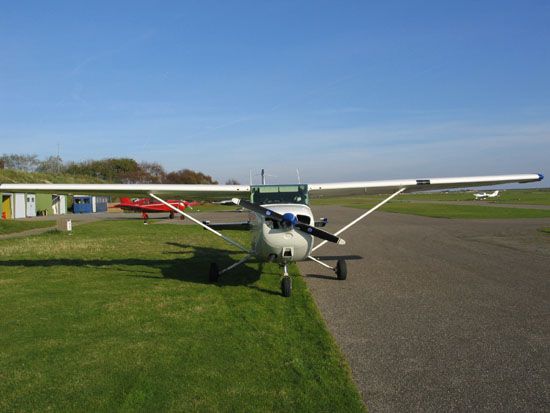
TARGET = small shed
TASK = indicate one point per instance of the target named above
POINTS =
(30, 209)
(82, 204)
(7, 206)
(100, 203)
(20, 207)
(59, 204)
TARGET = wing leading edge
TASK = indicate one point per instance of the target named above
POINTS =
(202, 192)
(414, 185)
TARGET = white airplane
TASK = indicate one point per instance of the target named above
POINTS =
(485, 195)
(284, 229)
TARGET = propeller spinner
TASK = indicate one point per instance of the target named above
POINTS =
(289, 220)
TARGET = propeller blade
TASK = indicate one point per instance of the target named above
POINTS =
(258, 209)
(319, 233)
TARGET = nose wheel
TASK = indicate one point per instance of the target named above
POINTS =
(286, 283)
(286, 286)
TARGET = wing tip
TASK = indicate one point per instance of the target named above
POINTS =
(541, 177)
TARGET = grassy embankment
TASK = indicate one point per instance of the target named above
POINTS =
(406, 204)
(120, 316)
(12, 176)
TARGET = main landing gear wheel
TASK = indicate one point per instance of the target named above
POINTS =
(171, 215)
(341, 269)
(286, 286)
(214, 273)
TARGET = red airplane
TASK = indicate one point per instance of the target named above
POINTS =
(146, 206)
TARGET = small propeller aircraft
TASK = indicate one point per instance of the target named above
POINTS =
(284, 228)
(147, 206)
(485, 195)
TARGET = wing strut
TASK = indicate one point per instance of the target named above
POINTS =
(196, 221)
(374, 208)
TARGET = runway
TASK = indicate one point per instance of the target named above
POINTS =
(440, 314)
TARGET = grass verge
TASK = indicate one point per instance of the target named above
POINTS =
(120, 316)
(510, 196)
(464, 211)
(439, 210)
(9, 226)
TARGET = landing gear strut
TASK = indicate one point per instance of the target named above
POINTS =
(215, 272)
(286, 283)
(341, 268)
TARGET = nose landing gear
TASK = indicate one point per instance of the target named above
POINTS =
(286, 282)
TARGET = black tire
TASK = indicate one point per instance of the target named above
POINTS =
(171, 215)
(214, 273)
(286, 286)
(341, 269)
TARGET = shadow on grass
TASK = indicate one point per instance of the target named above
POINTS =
(194, 268)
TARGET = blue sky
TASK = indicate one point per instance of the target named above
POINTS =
(341, 90)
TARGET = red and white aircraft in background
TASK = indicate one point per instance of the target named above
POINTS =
(147, 206)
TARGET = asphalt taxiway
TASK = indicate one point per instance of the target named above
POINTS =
(440, 314)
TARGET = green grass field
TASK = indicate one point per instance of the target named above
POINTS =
(464, 211)
(439, 210)
(513, 196)
(120, 316)
(9, 226)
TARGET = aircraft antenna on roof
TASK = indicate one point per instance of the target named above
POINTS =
(298, 175)
(264, 175)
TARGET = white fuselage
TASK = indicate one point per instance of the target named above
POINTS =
(270, 242)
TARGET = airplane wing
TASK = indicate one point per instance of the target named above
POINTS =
(202, 192)
(415, 185)
(220, 192)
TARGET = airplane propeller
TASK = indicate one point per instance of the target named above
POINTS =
(289, 220)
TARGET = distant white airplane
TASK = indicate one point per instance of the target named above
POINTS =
(485, 195)
(224, 202)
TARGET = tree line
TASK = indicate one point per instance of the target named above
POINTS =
(116, 170)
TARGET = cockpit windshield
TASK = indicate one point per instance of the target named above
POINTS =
(279, 194)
